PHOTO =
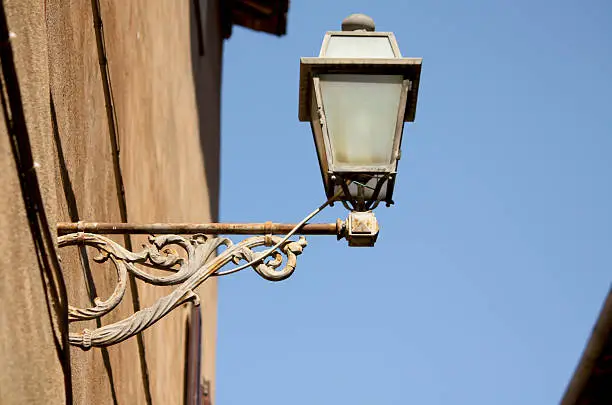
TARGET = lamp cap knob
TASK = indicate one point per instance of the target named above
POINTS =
(358, 22)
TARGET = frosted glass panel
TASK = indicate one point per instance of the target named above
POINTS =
(361, 113)
(358, 47)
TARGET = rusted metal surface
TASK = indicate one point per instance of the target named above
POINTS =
(201, 257)
(187, 271)
(264, 228)
(362, 229)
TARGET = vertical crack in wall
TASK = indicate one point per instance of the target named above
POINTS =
(73, 212)
(112, 127)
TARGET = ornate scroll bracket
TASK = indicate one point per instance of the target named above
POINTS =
(188, 271)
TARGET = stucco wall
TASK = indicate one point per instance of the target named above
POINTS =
(29, 360)
(165, 99)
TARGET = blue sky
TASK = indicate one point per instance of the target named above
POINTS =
(491, 268)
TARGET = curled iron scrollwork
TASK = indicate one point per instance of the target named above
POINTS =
(202, 259)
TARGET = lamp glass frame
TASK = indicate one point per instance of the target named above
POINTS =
(311, 109)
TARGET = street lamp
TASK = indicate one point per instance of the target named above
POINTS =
(357, 95)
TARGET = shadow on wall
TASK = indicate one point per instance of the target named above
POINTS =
(42, 237)
(73, 212)
(206, 63)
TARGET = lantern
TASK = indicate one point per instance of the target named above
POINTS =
(357, 95)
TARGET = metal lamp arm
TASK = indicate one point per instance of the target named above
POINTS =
(188, 273)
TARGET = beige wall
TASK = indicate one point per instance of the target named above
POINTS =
(166, 105)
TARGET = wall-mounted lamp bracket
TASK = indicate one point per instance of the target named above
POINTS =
(195, 264)
(201, 257)
(361, 229)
